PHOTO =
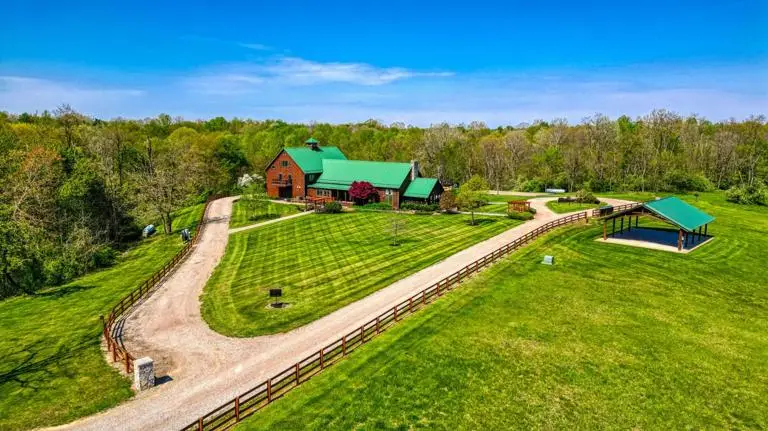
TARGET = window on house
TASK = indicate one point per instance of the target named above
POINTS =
(284, 163)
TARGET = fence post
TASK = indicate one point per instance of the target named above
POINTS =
(395, 313)
(269, 391)
(362, 334)
(377, 325)
(423, 297)
(438, 288)
(344, 345)
(322, 363)
(200, 424)
(237, 409)
(410, 304)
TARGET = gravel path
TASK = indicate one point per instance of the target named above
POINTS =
(204, 369)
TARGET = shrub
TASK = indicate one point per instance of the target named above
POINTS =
(586, 197)
(679, 181)
(419, 207)
(756, 194)
(532, 186)
(332, 208)
(382, 206)
(532, 210)
(520, 215)
(447, 201)
(363, 192)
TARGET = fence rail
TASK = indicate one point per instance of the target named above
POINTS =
(115, 348)
(604, 211)
(258, 397)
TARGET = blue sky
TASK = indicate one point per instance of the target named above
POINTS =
(416, 62)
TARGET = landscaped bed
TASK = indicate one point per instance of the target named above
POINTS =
(633, 338)
(326, 261)
(52, 369)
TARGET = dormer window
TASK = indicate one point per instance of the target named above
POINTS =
(284, 163)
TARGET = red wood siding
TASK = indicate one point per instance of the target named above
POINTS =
(275, 169)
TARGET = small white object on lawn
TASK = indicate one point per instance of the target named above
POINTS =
(548, 260)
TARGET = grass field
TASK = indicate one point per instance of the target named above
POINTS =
(566, 207)
(325, 261)
(240, 217)
(52, 370)
(492, 197)
(493, 208)
(609, 337)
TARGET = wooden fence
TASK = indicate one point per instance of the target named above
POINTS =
(253, 400)
(115, 348)
(600, 212)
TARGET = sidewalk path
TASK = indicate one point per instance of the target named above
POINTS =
(207, 369)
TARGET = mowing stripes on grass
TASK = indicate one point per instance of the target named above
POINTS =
(240, 216)
(323, 262)
(609, 337)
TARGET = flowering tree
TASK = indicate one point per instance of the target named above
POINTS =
(362, 192)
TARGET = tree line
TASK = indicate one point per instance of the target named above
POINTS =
(76, 189)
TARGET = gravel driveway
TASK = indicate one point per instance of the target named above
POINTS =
(205, 369)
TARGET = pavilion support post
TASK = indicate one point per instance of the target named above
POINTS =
(613, 231)
(629, 225)
(686, 239)
(637, 220)
(605, 232)
(679, 239)
(705, 229)
(622, 225)
(699, 238)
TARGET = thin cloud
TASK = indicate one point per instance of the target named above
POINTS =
(29, 94)
(294, 71)
(257, 46)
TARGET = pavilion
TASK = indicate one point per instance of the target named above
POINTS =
(691, 223)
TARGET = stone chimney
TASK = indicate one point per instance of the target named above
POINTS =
(414, 169)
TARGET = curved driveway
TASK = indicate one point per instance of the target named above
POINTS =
(207, 369)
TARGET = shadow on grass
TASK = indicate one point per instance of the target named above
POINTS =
(481, 221)
(59, 292)
(263, 217)
(39, 357)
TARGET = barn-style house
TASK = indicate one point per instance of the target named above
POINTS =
(316, 171)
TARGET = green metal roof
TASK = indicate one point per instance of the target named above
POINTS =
(387, 175)
(330, 186)
(678, 212)
(420, 188)
(311, 160)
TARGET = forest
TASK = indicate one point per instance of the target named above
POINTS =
(77, 190)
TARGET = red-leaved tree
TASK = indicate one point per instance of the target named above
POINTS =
(363, 192)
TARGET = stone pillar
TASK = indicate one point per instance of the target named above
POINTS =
(143, 374)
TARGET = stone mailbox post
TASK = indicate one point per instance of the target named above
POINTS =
(143, 374)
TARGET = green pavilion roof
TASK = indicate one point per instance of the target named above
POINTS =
(678, 212)
(312, 141)
(387, 175)
(420, 188)
(310, 160)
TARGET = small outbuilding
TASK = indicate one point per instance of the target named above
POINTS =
(692, 225)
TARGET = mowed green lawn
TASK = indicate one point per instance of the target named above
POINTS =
(567, 207)
(611, 336)
(241, 217)
(52, 370)
(324, 262)
(493, 208)
(492, 197)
